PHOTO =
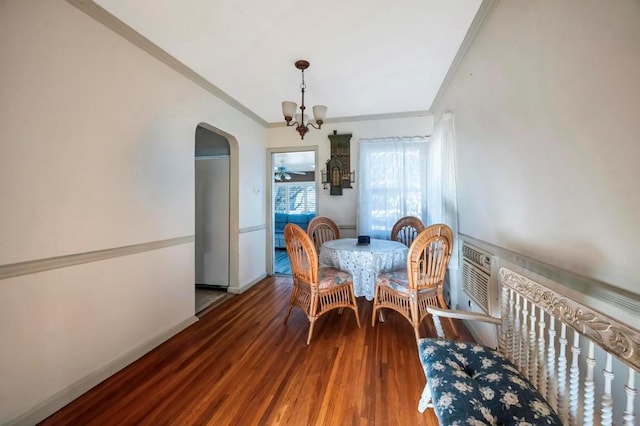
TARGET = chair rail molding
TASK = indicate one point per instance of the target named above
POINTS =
(248, 229)
(41, 265)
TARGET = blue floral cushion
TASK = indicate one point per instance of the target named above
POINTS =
(472, 384)
(330, 277)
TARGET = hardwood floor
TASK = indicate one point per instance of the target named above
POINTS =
(240, 365)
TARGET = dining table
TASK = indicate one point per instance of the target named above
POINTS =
(364, 261)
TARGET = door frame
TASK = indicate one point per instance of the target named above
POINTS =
(270, 250)
(234, 206)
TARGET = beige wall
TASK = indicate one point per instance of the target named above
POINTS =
(96, 152)
(343, 208)
(546, 104)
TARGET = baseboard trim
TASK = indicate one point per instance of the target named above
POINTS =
(75, 390)
(242, 289)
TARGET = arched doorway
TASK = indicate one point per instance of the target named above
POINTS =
(212, 216)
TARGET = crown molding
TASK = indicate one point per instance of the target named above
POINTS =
(104, 17)
(370, 117)
(477, 22)
(101, 15)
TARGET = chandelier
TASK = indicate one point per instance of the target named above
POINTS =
(301, 121)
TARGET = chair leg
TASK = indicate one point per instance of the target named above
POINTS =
(416, 329)
(286, 317)
(294, 292)
(355, 308)
(373, 316)
(312, 322)
(375, 307)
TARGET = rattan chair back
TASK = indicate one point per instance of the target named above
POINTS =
(322, 229)
(428, 260)
(302, 255)
(406, 229)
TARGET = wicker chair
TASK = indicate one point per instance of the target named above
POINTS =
(322, 229)
(316, 290)
(409, 292)
(406, 229)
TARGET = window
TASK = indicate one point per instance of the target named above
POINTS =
(392, 183)
(295, 197)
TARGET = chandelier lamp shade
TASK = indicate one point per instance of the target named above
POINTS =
(301, 120)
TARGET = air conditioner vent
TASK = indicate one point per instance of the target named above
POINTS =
(476, 284)
(477, 280)
(477, 257)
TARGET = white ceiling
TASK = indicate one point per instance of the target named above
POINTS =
(367, 57)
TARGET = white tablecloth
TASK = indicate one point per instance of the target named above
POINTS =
(364, 262)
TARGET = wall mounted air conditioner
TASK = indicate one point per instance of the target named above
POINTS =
(479, 278)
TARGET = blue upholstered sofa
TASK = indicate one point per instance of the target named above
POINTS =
(281, 220)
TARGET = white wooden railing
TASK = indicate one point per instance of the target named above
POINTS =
(571, 352)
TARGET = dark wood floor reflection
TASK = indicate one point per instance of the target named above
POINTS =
(240, 365)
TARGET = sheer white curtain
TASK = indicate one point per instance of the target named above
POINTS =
(442, 204)
(392, 183)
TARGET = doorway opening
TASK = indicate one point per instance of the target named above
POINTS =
(212, 217)
(293, 199)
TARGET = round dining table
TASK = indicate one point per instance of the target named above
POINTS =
(364, 262)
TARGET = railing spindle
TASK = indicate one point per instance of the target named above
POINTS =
(589, 387)
(504, 300)
(524, 337)
(532, 355)
(510, 326)
(574, 380)
(551, 392)
(607, 398)
(562, 375)
(542, 366)
(631, 391)
(516, 338)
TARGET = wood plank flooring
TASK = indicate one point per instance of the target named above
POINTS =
(241, 365)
